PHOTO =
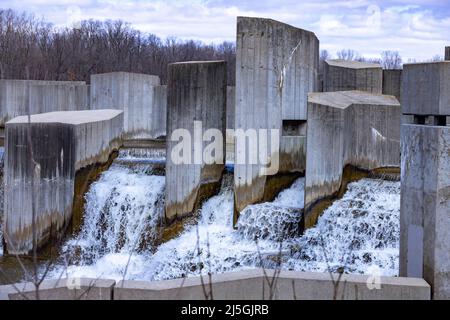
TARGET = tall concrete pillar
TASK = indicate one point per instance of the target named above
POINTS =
(196, 102)
(276, 67)
(447, 53)
(425, 191)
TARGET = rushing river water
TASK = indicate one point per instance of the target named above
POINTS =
(358, 233)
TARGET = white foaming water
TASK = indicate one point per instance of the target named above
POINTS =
(358, 232)
(123, 210)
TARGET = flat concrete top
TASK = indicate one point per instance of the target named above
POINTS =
(43, 82)
(344, 99)
(352, 64)
(425, 63)
(124, 72)
(69, 117)
(198, 62)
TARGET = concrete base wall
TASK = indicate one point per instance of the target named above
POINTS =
(196, 93)
(15, 97)
(62, 143)
(243, 285)
(425, 206)
(342, 75)
(347, 128)
(276, 67)
(138, 95)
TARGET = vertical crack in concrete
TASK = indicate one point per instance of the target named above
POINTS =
(285, 65)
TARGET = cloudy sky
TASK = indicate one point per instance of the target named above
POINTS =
(417, 28)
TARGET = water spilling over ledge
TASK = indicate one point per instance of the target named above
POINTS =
(357, 234)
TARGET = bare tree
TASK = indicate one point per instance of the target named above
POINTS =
(347, 54)
(391, 60)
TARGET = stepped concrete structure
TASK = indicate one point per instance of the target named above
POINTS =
(347, 128)
(277, 66)
(425, 189)
(344, 75)
(15, 97)
(141, 98)
(62, 144)
(196, 102)
(392, 83)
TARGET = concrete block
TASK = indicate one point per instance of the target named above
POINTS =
(392, 82)
(426, 88)
(347, 128)
(15, 97)
(425, 206)
(343, 75)
(196, 97)
(276, 67)
(62, 143)
(63, 289)
(290, 285)
(136, 94)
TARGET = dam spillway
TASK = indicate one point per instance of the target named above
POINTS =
(359, 232)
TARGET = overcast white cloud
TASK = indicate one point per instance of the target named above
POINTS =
(416, 28)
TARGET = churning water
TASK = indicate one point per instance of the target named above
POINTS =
(357, 233)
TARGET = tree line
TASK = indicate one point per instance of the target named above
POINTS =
(30, 48)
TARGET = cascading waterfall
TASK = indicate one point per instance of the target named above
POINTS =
(123, 211)
(356, 233)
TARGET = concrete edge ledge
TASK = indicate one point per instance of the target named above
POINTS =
(244, 285)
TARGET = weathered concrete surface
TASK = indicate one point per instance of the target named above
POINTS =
(425, 206)
(277, 66)
(251, 285)
(426, 88)
(138, 95)
(62, 143)
(343, 75)
(15, 97)
(347, 128)
(242, 285)
(196, 93)
(62, 289)
(58, 97)
(392, 83)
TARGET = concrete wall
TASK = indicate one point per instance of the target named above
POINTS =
(62, 289)
(277, 65)
(347, 128)
(231, 106)
(62, 142)
(196, 92)
(425, 197)
(242, 285)
(343, 75)
(15, 97)
(426, 88)
(58, 97)
(392, 82)
(135, 94)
